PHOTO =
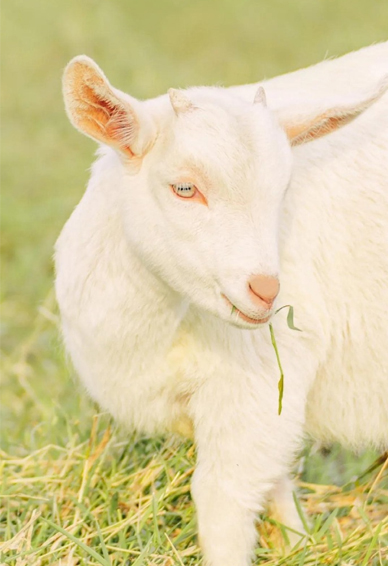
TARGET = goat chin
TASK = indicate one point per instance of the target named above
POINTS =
(286, 186)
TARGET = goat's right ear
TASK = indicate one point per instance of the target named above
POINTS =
(104, 113)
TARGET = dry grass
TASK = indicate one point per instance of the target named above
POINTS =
(110, 502)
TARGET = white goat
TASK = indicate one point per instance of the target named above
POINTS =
(168, 269)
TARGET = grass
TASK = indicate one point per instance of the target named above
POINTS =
(74, 489)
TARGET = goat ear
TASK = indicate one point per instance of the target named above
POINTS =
(103, 113)
(304, 127)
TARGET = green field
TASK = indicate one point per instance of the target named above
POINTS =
(75, 490)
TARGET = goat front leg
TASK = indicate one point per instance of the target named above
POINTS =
(242, 452)
(226, 524)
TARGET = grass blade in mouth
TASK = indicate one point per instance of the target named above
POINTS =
(281, 379)
(290, 322)
(290, 317)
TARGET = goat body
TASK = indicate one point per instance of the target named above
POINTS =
(145, 277)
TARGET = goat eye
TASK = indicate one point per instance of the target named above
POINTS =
(185, 190)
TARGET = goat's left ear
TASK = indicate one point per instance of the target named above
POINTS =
(305, 126)
(104, 113)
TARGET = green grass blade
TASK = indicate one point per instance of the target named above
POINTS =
(372, 545)
(301, 513)
(103, 545)
(290, 319)
(79, 543)
(281, 379)
(303, 556)
(281, 393)
(290, 316)
(326, 525)
(155, 504)
(140, 559)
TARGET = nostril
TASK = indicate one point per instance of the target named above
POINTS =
(264, 289)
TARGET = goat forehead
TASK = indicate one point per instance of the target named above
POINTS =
(223, 126)
(220, 145)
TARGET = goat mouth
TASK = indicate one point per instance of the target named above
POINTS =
(244, 316)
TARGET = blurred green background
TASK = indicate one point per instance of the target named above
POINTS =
(144, 47)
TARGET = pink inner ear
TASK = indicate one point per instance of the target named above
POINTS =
(120, 125)
(106, 118)
(303, 133)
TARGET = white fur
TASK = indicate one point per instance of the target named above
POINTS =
(140, 274)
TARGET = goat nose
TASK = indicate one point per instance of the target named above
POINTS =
(263, 289)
